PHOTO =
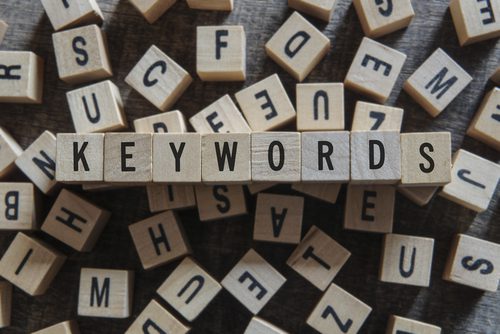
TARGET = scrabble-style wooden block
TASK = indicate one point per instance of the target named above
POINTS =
(379, 18)
(298, 46)
(128, 157)
(406, 260)
(373, 117)
(220, 201)
(225, 158)
(222, 116)
(276, 156)
(338, 312)
(370, 208)
(375, 157)
(75, 221)
(3, 30)
(30, 264)
(221, 53)
(318, 8)
(19, 206)
(425, 159)
(9, 151)
(318, 258)
(325, 156)
(82, 54)
(418, 195)
(67, 14)
(158, 78)
(253, 281)
(473, 181)
(266, 105)
(170, 197)
(155, 318)
(177, 157)
(66, 327)
(374, 70)
(170, 121)
(475, 21)
(320, 107)
(105, 293)
(485, 126)
(260, 326)
(97, 108)
(22, 72)
(38, 162)
(152, 9)
(400, 325)
(255, 188)
(327, 192)
(159, 239)
(222, 5)
(80, 157)
(5, 303)
(496, 76)
(437, 82)
(189, 289)
(278, 218)
(473, 262)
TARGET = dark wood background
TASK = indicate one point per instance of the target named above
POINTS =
(219, 245)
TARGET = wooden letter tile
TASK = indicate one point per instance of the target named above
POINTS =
(159, 79)
(260, 326)
(379, 18)
(266, 105)
(222, 5)
(155, 318)
(220, 201)
(375, 157)
(318, 258)
(177, 157)
(473, 181)
(30, 264)
(80, 157)
(170, 197)
(226, 158)
(374, 70)
(159, 239)
(18, 206)
(474, 262)
(189, 289)
(278, 218)
(66, 327)
(9, 151)
(253, 281)
(128, 157)
(338, 312)
(320, 107)
(257, 187)
(298, 46)
(276, 157)
(105, 293)
(152, 9)
(407, 260)
(370, 208)
(475, 21)
(221, 53)
(418, 195)
(425, 158)
(67, 14)
(322, 9)
(486, 124)
(170, 121)
(21, 77)
(400, 325)
(97, 108)
(222, 116)
(75, 221)
(325, 156)
(38, 162)
(437, 82)
(82, 54)
(5, 303)
(376, 117)
(327, 192)
(3, 30)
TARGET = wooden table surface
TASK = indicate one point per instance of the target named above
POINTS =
(219, 245)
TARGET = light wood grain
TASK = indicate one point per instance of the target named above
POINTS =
(20, 205)
(221, 116)
(220, 201)
(9, 151)
(327, 192)
(376, 117)
(67, 14)
(260, 326)
(222, 5)
(154, 317)
(3, 30)
(322, 9)
(66, 327)
(151, 10)
(404, 325)
(485, 126)
(170, 197)
(170, 121)
(24, 74)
